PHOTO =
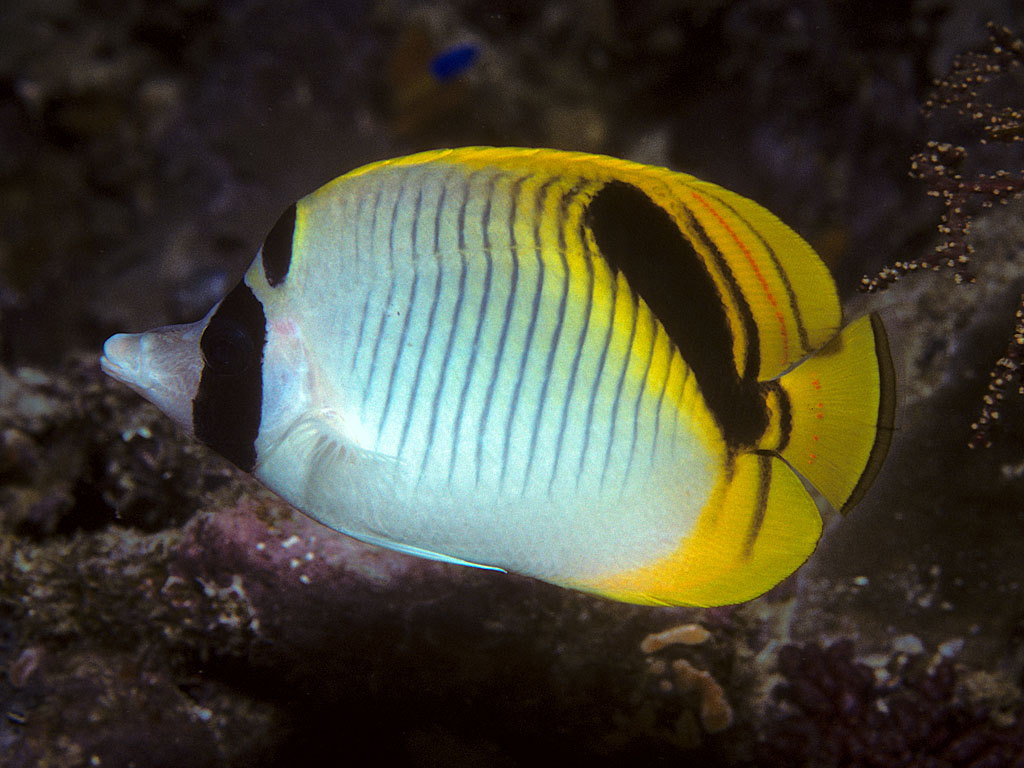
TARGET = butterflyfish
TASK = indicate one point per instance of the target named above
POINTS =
(605, 375)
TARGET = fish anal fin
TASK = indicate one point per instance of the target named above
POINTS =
(758, 527)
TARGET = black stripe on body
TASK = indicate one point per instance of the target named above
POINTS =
(639, 398)
(384, 309)
(227, 408)
(658, 331)
(642, 240)
(359, 254)
(778, 396)
(276, 253)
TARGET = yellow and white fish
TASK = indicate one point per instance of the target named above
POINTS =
(593, 372)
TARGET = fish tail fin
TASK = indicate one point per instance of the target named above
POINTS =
(836, 411)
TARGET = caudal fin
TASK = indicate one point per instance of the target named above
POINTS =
(841, 409)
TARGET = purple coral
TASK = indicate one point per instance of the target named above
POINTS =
(831, 712)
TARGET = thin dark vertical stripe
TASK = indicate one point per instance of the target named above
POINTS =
(387, 302)
(678, 408)
(555, 339)
(535, 311)
(437, 215)
(636, 406)
(414, 396)
(425, 347)
(805, 343)
(664, 386)
(403, 335)
(618, 395)
(485, 220)
(588, 424)
(456, 314)
(764, 484)
(503, 335)
(359, 259)
(588, 259)
(362, 328)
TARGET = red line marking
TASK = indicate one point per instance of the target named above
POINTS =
(753, 265)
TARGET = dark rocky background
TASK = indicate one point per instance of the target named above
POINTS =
(158, 609)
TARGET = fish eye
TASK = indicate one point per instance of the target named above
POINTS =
(227, 349)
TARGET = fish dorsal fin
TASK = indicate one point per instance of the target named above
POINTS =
(787, 287)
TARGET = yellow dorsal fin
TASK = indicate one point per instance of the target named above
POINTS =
(785, 285)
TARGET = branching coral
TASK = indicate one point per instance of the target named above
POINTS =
(951, 172)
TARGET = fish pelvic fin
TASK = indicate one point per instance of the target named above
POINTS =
(833, 414)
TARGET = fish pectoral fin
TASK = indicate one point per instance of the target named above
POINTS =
(427, 554)
(315, 464)
(328, 465)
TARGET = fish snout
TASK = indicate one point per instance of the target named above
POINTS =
(163, 365)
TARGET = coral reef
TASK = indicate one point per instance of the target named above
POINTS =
(831, 711)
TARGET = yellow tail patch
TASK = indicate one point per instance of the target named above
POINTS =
(842, 401)
(759, 526)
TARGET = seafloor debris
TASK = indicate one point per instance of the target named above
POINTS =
(981, 87)
(715, 712)
(683, 634)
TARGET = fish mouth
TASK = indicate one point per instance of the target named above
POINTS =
(121, 358)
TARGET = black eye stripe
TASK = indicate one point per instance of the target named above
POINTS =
(277, 248)
(227, 407)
